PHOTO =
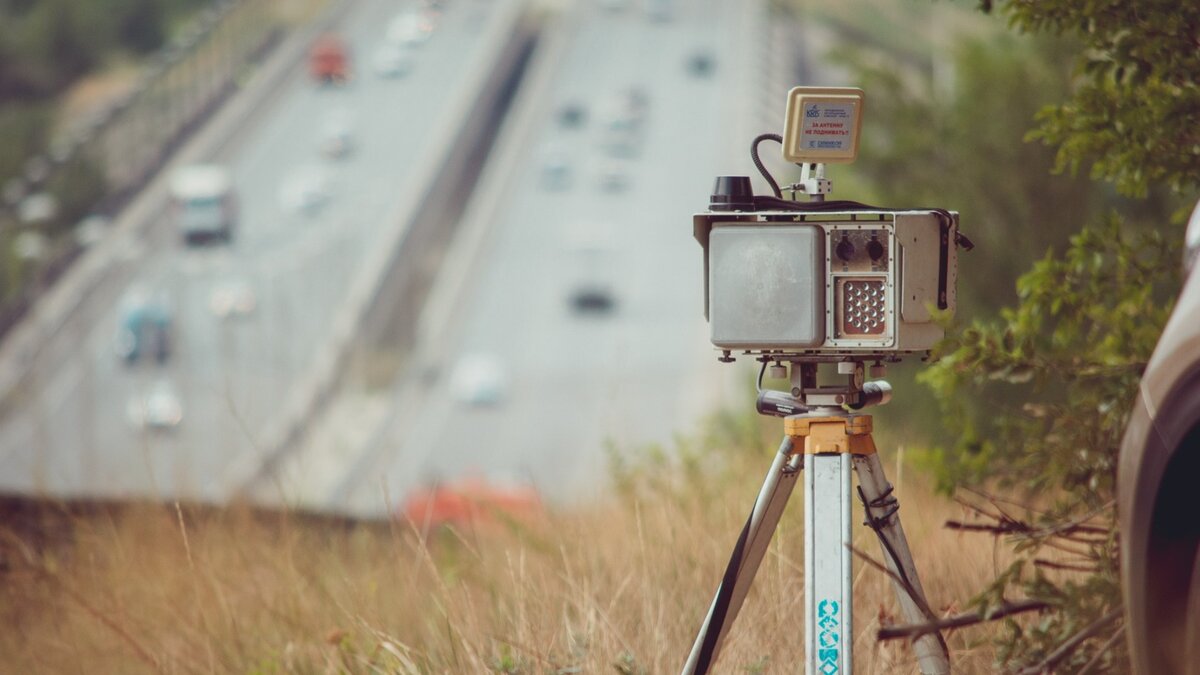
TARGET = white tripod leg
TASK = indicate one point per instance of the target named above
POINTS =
(882, 508)
(743, 564)
(828, 625)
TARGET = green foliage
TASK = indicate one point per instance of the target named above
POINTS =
(1039, 397)
(1070, 355)
(959, 145)
(45, 45)
(1058, 374)
(25, 127)
(1132, 116)
(1036, 397)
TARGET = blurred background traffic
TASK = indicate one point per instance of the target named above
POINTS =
(326, 253)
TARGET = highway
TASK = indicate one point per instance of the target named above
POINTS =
(544, 224)
(68, 432)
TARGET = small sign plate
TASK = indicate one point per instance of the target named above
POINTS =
(822, 124)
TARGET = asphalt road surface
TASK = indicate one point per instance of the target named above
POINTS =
(547, 387)
(69, 433)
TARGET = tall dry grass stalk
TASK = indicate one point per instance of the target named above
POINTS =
(621, 585)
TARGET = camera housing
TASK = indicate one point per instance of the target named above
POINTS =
(860, 283)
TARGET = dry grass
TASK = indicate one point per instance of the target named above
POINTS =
(624, 585)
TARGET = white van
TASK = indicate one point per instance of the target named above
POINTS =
(203, 203)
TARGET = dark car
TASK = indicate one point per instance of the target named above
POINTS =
(1158, 488)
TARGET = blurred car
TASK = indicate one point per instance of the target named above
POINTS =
(392, 60)
(305, 189)
(1159, 461)
(232, 298)
(625, 122)
(622, 137)
(329, 60)
(572, 114)
(144, 327)
(592, 297)
(633, 103)
(659, 10)
(470, 502)
(410, 28)
(203, 204)
(478, 379)
(614, 175)
(701, 63)
(592, 258)
(336, 137)
(158, 408)
(556, 168)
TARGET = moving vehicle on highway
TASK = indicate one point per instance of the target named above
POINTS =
(625, 121)
(144, 328)
(329, 60)
(203, 203)
(156, 409)
(393, 60)
(592, 253)
(232, 298)
(337, 136)
(1157, 487)
(556, 168)
(410, 28)
(478, 379)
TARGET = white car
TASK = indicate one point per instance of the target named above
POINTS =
(409, 28)
(478, 379)
(232, 298)
(337, 137)
(393, 60)
(158, 408)
(305, 189)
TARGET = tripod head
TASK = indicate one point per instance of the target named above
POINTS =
(806, 394)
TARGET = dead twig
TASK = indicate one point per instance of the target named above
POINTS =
(1108, 644)
(960, 620)
(1051, 565)
(1071, 644)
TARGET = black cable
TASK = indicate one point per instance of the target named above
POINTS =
(877, 524)
(761, 372)
(758, 162)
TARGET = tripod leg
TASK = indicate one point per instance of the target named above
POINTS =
(747, 555)
(828, 601)
(883, 511)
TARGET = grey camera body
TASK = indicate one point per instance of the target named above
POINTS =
(836, 284)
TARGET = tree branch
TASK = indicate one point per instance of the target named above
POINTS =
(1071, 644)
(960, 620)
(1050, 564)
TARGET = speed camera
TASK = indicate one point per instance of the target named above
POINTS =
(841, 282)
(816, 279)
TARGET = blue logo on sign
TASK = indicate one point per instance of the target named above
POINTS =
(828, 637)
(812, 111)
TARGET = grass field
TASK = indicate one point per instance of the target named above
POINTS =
(615, 587)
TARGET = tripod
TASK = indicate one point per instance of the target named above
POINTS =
(824, 441)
